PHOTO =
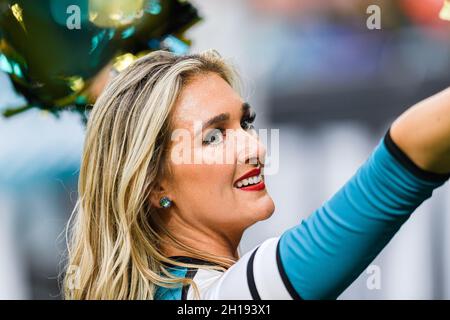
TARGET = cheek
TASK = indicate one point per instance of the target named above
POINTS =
(204, 181)
(215, 170)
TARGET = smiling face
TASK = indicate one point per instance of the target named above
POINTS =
(207, 195)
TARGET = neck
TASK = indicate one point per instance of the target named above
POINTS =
(201, 238)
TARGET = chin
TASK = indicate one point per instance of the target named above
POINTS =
(265, 209)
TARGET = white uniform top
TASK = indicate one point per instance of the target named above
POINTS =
(256, 275)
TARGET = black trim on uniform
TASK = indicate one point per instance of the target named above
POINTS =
(403, 158)
(287, 283)
(192, 260)
(190, 274)
(251, 277)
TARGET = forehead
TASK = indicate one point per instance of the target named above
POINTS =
(205, 96)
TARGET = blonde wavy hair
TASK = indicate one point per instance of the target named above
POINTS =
(114, 234)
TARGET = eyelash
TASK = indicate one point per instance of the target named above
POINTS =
(246, 124)
(248, 120)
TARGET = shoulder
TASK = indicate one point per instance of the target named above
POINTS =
(259, 274)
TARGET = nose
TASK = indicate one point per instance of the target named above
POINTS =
(250, 149)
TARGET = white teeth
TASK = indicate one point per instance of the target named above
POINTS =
(249, 181)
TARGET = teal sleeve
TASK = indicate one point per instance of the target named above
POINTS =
(327, 251)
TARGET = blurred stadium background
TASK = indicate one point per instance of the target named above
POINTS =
(311, 69)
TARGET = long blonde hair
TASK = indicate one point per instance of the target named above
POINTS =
(114, 236)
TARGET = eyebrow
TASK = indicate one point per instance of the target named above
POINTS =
(224, 116)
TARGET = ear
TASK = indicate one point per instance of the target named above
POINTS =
(155, 196)
(157, 193)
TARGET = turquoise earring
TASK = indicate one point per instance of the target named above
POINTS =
(165, 202)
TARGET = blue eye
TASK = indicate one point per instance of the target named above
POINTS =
(214, 137)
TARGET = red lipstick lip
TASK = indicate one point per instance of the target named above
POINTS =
(251, 173)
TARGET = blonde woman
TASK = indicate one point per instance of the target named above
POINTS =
(149, 226)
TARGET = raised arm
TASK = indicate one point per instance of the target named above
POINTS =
(324, 254)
